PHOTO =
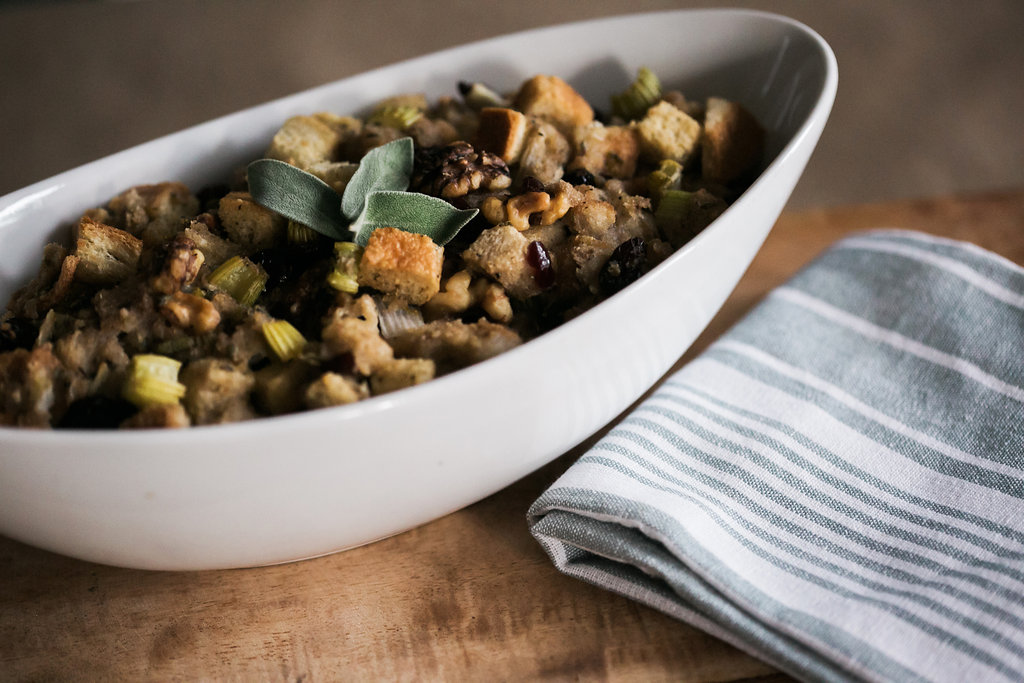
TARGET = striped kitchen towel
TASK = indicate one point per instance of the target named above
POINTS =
(837, 484)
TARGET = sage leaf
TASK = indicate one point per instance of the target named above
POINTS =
(297, 195)
(413, 212)
(383, 168)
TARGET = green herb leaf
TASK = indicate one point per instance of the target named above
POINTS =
(384, 168)
(297, 195)
(413, 212)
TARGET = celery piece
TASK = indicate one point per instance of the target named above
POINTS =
(285, 341)
(241, 278)
(299, 233)
(668, 176)
(641, 94)
(395, 116)
(153, 379)
(345, 276)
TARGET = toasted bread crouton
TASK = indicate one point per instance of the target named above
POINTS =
(153, 212)
(332, 389)
(453, 344)
(545, 152)
(610, 151)
(502, 131)
(402, 263)
(733, 141)
(105, 254)
(305, 140)
(217, 391)
(501, 253)
(252, 226)
(400, 373)
(361, 338)
(666, 132)
(553, 100)
(591, 213)
(334, 173)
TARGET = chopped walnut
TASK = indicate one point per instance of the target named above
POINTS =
(520, 210)
(191, 312)
(457, 169)
(181, 266)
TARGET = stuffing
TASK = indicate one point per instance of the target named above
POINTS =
(153, 213)
(167, 310)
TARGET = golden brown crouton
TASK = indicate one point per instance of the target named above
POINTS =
(733, 141)
(607, 150)
(666, 132)
(552, 99)
(402, 263)
(545, 152)
(305, 140)
(250, 225)
(502, 131)
(591, 214)
(106, 255)
(334, 173)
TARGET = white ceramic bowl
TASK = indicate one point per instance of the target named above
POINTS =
(293, 487)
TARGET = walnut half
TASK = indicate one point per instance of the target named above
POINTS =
(457, 169)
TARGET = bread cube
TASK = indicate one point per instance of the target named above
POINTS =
(501, 253)
(502, 131)
(610, 151)
(667, 132)
(552, 99)
(304, 140)
(402, 263)
(105, 254)
(733, 141)
(252, 226)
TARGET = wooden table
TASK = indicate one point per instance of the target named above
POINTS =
(421, 605)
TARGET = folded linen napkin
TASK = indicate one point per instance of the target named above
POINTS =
(837, 484)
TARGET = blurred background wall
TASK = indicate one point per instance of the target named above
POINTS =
(929, 102)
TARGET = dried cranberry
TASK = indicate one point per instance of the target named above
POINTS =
(579, 176)
(540, 260)
(96, 412)
(17, 333)
(624, 266)
(283, 264)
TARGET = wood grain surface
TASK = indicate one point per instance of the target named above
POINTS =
(426, 604)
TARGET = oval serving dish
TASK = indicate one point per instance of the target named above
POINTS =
(281, 489)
